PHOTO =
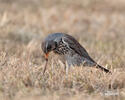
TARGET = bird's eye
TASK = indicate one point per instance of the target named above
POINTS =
(49, 47)
(55, 44)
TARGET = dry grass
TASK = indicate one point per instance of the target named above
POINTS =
(97, 25)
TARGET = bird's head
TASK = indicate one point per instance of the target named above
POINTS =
(48, 46)
(50, 43)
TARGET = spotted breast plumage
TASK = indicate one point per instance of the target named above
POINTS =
(70, 48)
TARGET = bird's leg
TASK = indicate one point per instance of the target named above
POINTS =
(66, 68)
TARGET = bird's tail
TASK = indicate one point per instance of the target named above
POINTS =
(103, 69)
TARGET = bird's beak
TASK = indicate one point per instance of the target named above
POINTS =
(46, 56)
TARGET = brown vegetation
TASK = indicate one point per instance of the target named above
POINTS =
(98, 25)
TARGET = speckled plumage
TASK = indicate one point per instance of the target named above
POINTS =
(69, 47)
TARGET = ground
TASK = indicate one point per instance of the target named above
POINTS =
(99, 26)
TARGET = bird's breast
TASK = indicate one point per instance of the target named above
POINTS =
(62, 49)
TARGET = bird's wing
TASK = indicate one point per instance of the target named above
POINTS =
(74, 44)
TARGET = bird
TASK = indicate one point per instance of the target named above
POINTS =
(67, 46)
